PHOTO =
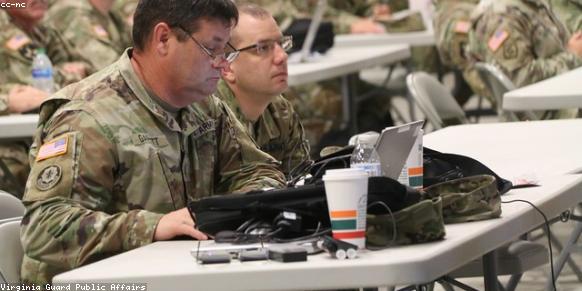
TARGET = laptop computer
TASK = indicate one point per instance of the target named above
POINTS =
(394, 146)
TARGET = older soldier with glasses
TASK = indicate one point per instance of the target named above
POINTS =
(253, 83)
(119, 155)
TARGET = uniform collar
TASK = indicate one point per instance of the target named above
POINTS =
(265, 124)
(185, 122)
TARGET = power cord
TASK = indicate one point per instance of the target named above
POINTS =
(391, 215)
(547, 224)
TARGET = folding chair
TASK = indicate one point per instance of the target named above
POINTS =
(11, 252)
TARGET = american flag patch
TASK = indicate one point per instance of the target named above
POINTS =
(462, 27)
(17, 41)
(100, 31)
(497, 39)
(54, 148)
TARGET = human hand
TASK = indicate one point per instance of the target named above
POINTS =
(575, 44)
(25, 98)
(367, 26)
(177, 223)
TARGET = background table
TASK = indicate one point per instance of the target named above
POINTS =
(346, 63)
(417, 38)
(17, 126)
(543, 148)
(559, 92)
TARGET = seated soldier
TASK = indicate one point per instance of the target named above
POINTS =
(451, 26)
(21, 36)
(99, 32)
(526, 41)
(126, 8)
(569, 12)
(253, 83)
(119, 155)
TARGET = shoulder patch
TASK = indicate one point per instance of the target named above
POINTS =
(48, 177)
(462, 27)
(100, 31)
(497, 39)
(17, 41)
(56, 147)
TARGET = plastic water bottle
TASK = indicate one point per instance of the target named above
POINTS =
(366, 157)
(42, 72)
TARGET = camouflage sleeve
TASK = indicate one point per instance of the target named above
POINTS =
(509, 42)
(342, 20)
(70, 217)
(61, 52)
(298, 147)
(77, 28)
(243, 167)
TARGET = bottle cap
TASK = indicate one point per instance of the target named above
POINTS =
(369, 139)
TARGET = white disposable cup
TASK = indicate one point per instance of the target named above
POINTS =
(346, 191)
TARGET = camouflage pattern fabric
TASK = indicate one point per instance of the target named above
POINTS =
(569, 12)
(523, 38)
(17, 50)
(452, 23)
(126, 8)
(100, 38)
(278, 131)
(119, 162)
(418, 223)
(467, 199)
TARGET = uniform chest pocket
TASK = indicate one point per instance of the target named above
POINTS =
(547, 40)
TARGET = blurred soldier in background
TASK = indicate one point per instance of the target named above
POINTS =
(99, 32)
(525, 40)
(21, 36)
(569, 12)
(452, 23)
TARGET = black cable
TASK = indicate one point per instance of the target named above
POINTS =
(549, 235)
(391, 215)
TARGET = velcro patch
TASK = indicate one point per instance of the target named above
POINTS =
(462, 27)
(49, 177)
(17, 41)
(497, 39)
(100, 31)
(54, 148)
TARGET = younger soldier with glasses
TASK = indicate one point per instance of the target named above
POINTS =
(253, 83)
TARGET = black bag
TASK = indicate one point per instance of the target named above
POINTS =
(323, 38)
(229, 212)
(440, 167)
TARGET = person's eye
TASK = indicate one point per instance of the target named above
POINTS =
(262, 48)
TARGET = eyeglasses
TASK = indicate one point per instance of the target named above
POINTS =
(266, 47)
(229, 54)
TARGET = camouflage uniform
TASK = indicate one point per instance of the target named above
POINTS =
(278, 131)
(569, 12)
(119, 162)
(17, 50)
(126, 8)
(100, 38)
(523, 38)
(452, 22)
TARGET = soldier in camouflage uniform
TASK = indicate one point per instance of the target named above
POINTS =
(126, 9)
(99, 32)
(253, 83)
(21, 36)
(526, 41)
(452, 22)
(119, 155)
(569, 12)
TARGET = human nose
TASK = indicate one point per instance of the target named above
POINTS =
(280, 54)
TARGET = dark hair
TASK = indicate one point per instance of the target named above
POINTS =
(184, 13)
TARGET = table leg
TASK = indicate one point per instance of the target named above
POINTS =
(490, 271)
